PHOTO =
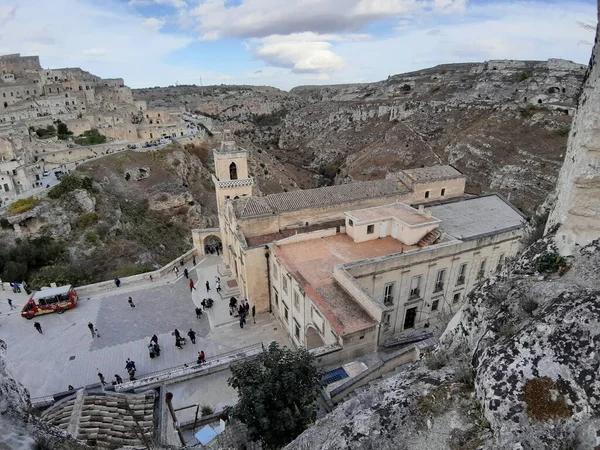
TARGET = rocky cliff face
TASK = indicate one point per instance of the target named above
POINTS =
(578, 204)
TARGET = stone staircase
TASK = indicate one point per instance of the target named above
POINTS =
(429, 238)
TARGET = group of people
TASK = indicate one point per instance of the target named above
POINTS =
(153, 347)
(16, 287)
(212, 249)
(129, 366)
(242, 311)
(180, 341)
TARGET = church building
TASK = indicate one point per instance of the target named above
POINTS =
(355, 264)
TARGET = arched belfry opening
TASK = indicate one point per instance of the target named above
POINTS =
(233, 171)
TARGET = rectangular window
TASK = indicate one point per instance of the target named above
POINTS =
(296, 301)
(500, 262)
(388, 294)
(275, 273)
(276, 295)
(456, 298)
(439, 281)
(350, 223)
(284, 284)
(435, 305)
(370, 229)
(481, 272)
(462, 274)
(415, 287)
(443, 192)
(296, 330)
(6, 188)
(286, 313)
(387, 318)
(426, 194)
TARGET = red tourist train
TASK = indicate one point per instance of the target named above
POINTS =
(46, 301)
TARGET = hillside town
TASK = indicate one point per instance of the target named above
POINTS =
(54, 118)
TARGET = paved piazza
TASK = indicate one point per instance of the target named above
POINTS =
(67, 354)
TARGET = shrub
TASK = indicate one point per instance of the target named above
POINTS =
(60, 274)
(22, 205)
(564, 131)
(464, 374)
(70, 183)
(90, 137)
(436, 360)
(524, 76)
(87, 219)
(529, 306)
(206, 410)
(63, 131)
(550, 262)
(133, 269)
(14, 271)
(272, 119)
(91, 239)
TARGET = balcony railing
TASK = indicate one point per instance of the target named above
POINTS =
(388, 301)
(438, 287)
(461, 280)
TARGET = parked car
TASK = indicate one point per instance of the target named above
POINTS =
(46, 173)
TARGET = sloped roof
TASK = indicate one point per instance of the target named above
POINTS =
(316, 198)
(105, 418)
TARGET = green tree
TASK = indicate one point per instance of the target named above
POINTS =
(62, 130)
(14, 271)
(277, 394)
(90, 137)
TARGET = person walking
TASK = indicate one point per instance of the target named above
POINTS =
(192, 287)
(218, 286)
(254, 313)
(176, 270)
(185, 273)
(246, 306)
(242, 321)
(96, 331)
(207, 286)
(91, 327)
(201, 357)
(118, 379)
(198, 313)
(102, 380)
(154, 339)
(38, 326)
(10, 304)
(194, 260)
(178, 342)
(192, 335)
(130, 301)
(117, 282)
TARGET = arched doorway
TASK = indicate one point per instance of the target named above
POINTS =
(232, 171)
(212, 245)
(313, 338)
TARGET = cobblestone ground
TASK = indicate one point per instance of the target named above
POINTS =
(157, 310)
(67, 354)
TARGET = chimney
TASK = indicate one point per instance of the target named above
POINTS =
(428, 214)
(421, 209)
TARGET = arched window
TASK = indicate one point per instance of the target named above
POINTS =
(232, 171)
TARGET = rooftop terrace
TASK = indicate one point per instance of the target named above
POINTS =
(477, 217)
(399, 211)
(314, 261)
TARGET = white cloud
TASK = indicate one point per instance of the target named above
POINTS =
(261, 18)
(153, 23)
(302, 53)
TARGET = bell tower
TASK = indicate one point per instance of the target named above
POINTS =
(231, 182)
(231, 173)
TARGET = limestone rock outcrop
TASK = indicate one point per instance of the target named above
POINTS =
(577, 207)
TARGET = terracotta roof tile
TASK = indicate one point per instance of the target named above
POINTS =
(316, 198)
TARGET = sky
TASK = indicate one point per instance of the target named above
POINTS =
(286, 43)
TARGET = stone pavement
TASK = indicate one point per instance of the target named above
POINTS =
(67, 354)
